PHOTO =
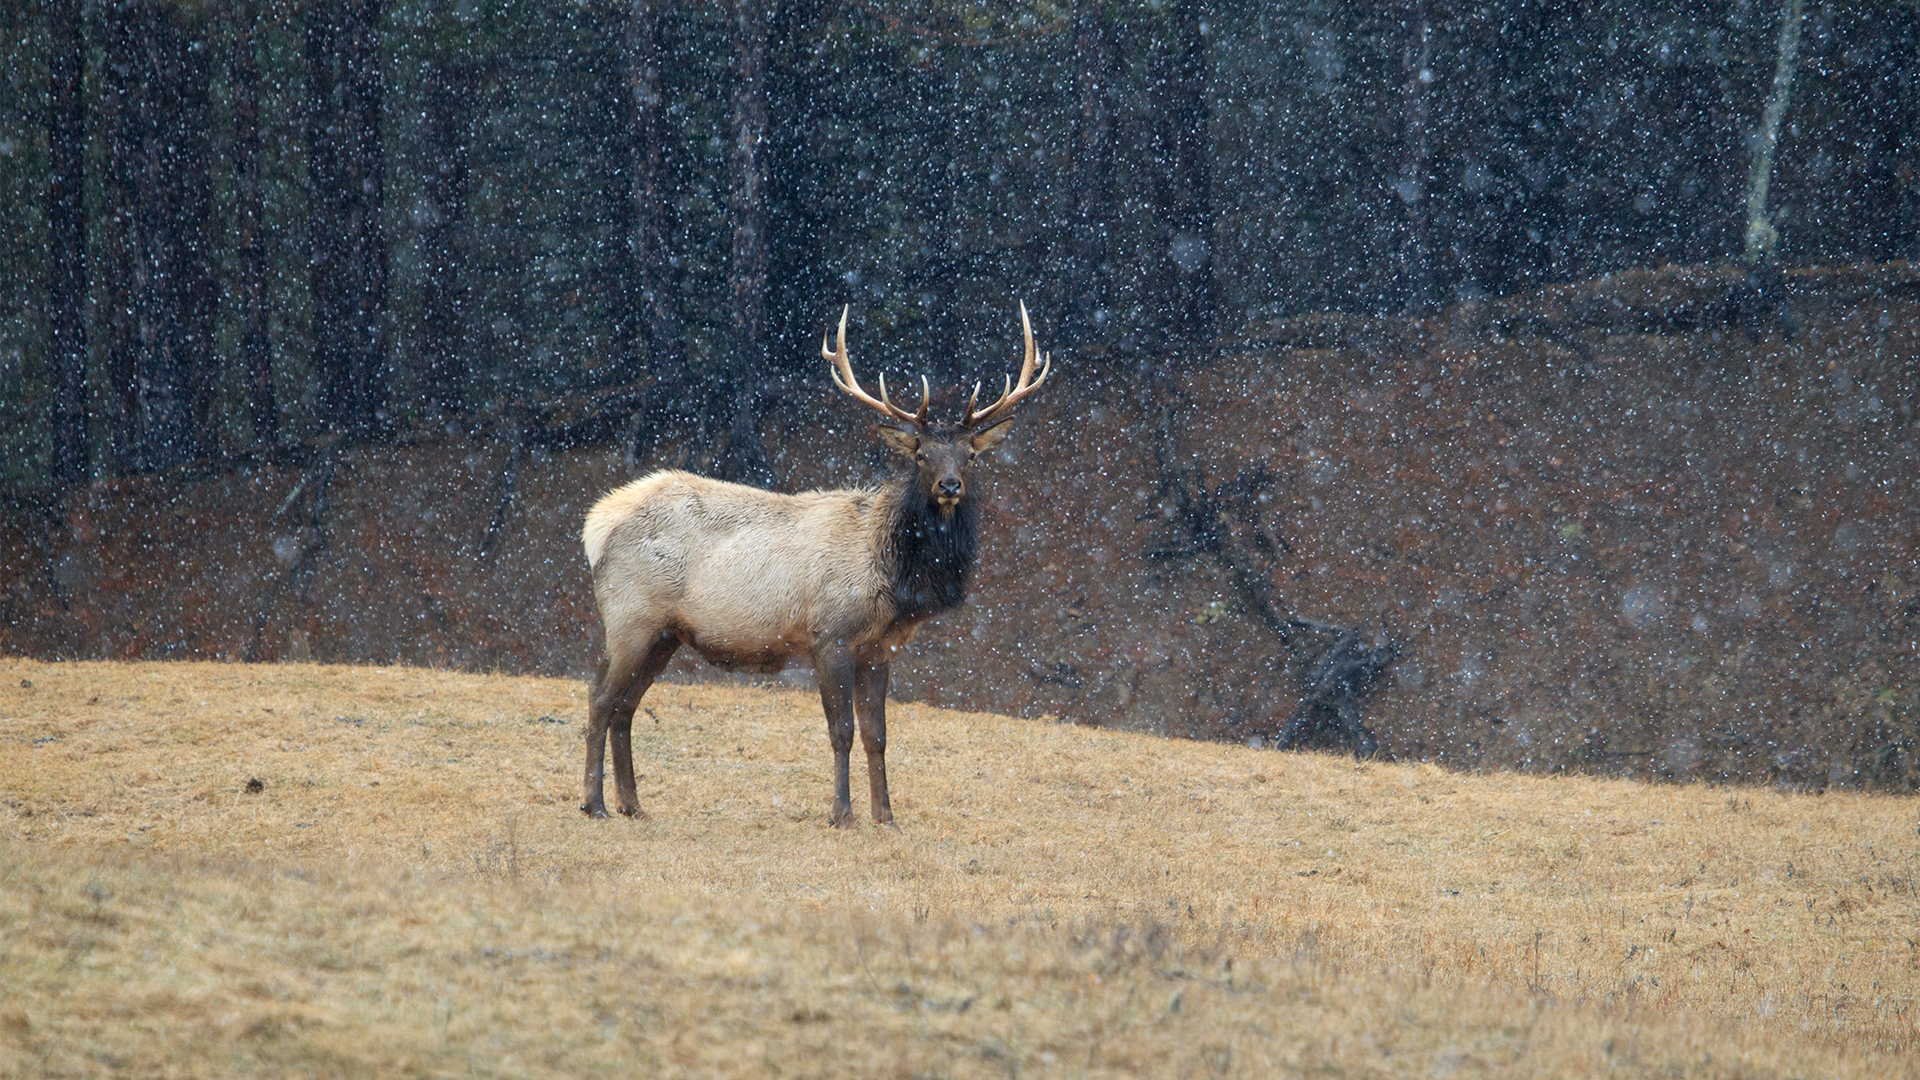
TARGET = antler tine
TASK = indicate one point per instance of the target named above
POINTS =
(1013, 391)
(926, 398)
(843, 378)
(1026, 332)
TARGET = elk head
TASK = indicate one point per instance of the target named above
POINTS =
(943, 452)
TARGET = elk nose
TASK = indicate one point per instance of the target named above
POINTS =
(950, 488)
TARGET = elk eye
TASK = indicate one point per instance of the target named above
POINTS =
(919, 455)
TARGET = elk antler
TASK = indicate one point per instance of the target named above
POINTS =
(1011, 392)
(843, 378)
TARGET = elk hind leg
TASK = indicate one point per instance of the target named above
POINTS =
(593, 801)
(620, 724)
(836, 674)
(624, 675)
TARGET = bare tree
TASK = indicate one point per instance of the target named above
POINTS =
(160, 286)
(1333, 665)
(444, 301)
(747, 270)
(1089, 281)
(1417, 78)
(67, 243)
(250, 270)
(1890, 93)
(1183, 187)
(1761, 235)
(346, 169)
(662, 331)
(116, 123)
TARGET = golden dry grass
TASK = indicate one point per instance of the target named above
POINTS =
(412, 891)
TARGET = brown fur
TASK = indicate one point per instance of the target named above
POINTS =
(748, 578)
(751, 579)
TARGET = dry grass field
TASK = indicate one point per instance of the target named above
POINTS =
(410, 891)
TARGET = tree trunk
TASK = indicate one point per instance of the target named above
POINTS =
(1088, 278)
(159, 194)
(117, 127)
(1761, 235)
(747, 269)
(67, 237)
(346, 170)
(445, 372)
(1183, 200)
(663, 334)
(1891, 93)
(250, 261)
(1416, 60)
(800, 92)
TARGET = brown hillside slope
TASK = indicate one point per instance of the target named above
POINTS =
(1619, 530)
(412, 884)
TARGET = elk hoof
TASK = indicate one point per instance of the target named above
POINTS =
(843, 818)
(632, 812)
(598, 813)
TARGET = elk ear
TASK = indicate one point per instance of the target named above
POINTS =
(985, 440)
(905, 443)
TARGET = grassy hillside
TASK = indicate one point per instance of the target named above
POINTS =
(411, 891)
(1615, 536)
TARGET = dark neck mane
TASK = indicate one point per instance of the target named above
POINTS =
(932, 554)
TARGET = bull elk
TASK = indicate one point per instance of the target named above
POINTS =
(751, 579)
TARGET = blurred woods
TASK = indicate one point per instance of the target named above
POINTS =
(247, 229)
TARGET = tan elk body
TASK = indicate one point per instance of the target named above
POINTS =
(751, 579)
(748, 578)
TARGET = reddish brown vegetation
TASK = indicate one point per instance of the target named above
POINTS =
(1629, 526)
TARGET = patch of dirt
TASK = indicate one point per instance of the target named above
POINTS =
(1660, 525)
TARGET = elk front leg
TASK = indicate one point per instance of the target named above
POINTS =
(836, 674)
(870, 701)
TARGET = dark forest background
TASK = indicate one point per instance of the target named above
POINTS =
(1543, 379)
(240, 229)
